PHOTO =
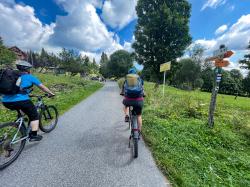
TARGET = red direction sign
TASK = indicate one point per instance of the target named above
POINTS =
(228, 54)
(221, 63)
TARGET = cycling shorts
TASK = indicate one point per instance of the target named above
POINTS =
(25, 106)
(137, 105)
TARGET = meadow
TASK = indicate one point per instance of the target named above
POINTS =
(69, 91)
(187, 151)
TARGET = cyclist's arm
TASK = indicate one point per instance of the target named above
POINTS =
(38, 83)
(45, 89)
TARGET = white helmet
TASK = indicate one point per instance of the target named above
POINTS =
(23, 65)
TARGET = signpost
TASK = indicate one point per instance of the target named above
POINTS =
(219, 61)
(164, 68)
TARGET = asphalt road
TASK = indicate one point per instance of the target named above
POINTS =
(88, 148)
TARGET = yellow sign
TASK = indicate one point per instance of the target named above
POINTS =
(165, 67)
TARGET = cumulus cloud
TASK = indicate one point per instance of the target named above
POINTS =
(82, 29)
(236, 37)
(117, 13)
(221, 30)
(213, 4)
(20, 27)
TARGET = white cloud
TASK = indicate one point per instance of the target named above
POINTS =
(118, 13)
(213, 4)
(71, 5)
(128, 45)
(236, 37)
(96, 56)
(81, 29)
(221, 30)
(19, 26)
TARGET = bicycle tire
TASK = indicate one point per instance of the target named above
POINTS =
(23, 142)
(43, 113)
(135, 147)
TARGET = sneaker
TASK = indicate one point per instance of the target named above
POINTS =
(35, 138)
(126, 118)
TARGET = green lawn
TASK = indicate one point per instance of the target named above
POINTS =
(69, 91)
(187, 151)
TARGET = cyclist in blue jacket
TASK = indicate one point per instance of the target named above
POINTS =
(22, 101)
(133, 99)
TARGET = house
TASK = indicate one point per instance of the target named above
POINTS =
(19, 53)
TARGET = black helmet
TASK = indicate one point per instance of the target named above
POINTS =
(23, 65)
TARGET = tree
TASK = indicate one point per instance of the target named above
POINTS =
(207, 76)
(104, 65)
(188, 74)
(238, 78)
(162, 33)
(119, 63)
(228, 85)
(196, 52)
(246, 84)
(246, 62)
(7, 57)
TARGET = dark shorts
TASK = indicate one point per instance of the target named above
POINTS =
(137, 105)
(25, 106)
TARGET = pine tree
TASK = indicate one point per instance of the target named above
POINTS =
(103, 65)
(162, 33)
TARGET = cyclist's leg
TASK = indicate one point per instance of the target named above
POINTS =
(126, 110)
(138, 110)
(30, 110)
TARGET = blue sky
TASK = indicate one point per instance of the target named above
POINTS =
(93, 26)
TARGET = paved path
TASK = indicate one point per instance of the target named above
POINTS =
(88, 148)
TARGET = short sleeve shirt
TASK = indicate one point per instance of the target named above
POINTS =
(27, 81)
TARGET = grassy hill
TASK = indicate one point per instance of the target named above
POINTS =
(69, 91)
(187, 151)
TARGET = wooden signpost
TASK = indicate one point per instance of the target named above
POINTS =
(219, 61)
(164, 68)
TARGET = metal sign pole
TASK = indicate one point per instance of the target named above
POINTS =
(214, 97)
(164, 82)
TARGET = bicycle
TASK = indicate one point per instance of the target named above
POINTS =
(135, 135)
(14, 135)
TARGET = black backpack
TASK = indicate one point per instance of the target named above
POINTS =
(8, 81)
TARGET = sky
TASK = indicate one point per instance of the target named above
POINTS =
(93, 26)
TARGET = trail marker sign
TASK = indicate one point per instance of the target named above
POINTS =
(163, 68)
(218, 58)
(221, 63)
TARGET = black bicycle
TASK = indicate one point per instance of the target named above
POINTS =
(135, 134)
(13, 135)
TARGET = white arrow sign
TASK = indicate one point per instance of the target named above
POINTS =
(220, 52)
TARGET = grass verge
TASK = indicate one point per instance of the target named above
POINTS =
(69, 91)
(185, 149)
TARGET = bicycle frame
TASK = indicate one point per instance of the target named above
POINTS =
(134, 124)
(21, 122)
(39, 104)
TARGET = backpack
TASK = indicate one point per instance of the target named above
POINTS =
(9, 82)
(133, 86)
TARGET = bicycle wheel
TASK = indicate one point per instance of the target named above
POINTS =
(135, 147)
(9, 149)
(48, 119)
